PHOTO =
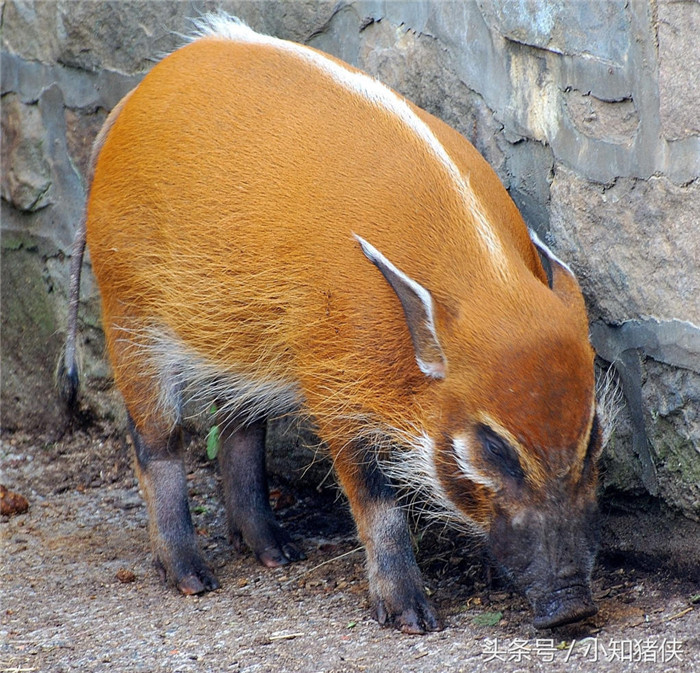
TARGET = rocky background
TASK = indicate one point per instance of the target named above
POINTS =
(588, 111)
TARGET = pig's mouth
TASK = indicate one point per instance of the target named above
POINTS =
(562, 606)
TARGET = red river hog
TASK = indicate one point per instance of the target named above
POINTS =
(276, 232)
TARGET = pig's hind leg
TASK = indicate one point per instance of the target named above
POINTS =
(246, 494)
(163, 480)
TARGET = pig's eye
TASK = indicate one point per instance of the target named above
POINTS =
(500, 454)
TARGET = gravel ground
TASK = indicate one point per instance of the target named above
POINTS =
(79, 592)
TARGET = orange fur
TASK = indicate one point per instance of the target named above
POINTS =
(221, 214)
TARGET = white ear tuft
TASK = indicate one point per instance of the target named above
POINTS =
(546, 252)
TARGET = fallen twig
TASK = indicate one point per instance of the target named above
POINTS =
(320, 565)
(679, 614)
(285, 636)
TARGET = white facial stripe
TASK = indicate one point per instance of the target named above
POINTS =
(421, 471)
(461, 449)
(414, 472)
(227, 27)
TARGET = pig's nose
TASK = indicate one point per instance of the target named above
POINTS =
(570, 604)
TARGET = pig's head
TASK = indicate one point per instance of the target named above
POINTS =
(521, 464)
(514, 445)
(531, 444)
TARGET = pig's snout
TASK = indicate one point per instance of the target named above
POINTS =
(549, 554)
(563, 606)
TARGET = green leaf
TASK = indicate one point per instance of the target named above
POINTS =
(488, 618)
(352, 625)
(213, 442)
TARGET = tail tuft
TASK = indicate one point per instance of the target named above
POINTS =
(68, 381)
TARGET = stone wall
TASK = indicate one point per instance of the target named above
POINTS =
(588, 111)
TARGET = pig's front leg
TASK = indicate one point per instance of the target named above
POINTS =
(395, 583)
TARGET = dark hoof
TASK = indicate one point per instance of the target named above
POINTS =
(271, 544)
(197, 579)
(191, 585)
(274, 557)
(413, 620)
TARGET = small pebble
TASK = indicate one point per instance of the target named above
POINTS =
(12, 503)
(125, 576)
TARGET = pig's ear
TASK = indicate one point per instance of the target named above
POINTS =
(560, 277)
(418, 310)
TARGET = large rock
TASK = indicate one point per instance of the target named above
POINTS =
(87, 35)
(633, 243)
(671, 397)
(635, 247)
(30, 330)
(26, 183)
(592, 129)
(679, 65)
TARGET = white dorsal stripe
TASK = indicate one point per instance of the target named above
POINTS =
(224, 26)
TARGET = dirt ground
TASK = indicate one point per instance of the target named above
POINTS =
(79, 592)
